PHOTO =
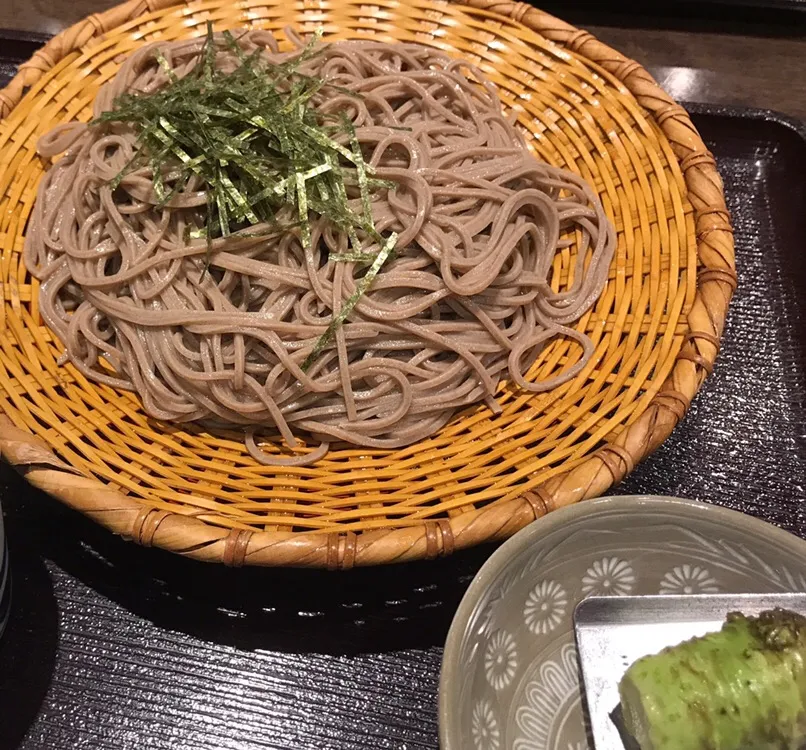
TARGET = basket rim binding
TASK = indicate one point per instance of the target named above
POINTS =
(192, 537)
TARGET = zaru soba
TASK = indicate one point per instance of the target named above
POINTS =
(350, 241)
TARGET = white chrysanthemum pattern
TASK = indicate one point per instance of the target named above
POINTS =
(545, 607)
(609, 576)
(484, 727)
(689, 579)
(500, 659)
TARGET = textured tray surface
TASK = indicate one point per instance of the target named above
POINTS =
(743, 441)
(655, 328)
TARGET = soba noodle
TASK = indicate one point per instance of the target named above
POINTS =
(465, 302)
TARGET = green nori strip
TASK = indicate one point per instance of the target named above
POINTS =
(361, 289)
(257, 143)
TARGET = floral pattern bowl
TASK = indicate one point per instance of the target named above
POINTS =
(510, 678)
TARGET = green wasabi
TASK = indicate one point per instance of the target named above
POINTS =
(742, 688)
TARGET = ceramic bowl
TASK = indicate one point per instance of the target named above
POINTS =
(510, 678)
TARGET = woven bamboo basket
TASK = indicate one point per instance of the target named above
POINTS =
(656, 327)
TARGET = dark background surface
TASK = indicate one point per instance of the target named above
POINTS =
(119, 648)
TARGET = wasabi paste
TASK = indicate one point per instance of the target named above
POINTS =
(742, 688)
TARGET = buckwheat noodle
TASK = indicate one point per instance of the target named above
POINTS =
(466, 301)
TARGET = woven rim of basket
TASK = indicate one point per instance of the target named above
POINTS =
(189, 536)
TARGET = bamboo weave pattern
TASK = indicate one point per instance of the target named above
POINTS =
(656, 327)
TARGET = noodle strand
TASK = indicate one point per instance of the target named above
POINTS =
(469, 298)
